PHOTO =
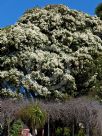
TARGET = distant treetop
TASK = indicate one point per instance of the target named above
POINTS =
(98, 10)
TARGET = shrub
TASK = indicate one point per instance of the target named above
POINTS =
(67, 132)
(16, 128)
(58, 131)
(33, 116)
(81, 132)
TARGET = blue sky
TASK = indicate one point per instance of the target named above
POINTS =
(12, 10)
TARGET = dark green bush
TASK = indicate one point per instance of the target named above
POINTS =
(81, 133)
(63, 132)
(16, 128)
(98, 10)
(58, 131)
(67, 132)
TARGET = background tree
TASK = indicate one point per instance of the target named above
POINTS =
(98, 10)
(67, 114)
(16, 128)
(8, 109)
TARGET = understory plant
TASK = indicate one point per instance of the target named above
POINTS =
(81, 133)
(16, 128)
(67, 132)
(33, 116)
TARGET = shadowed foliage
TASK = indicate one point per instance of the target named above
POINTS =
(98, 10)
(60, 114)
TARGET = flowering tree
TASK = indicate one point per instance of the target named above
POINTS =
(50, 52)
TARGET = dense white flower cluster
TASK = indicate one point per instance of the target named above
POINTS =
(5, 93)
(54, 50)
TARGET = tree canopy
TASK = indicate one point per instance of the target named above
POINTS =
(51, 52)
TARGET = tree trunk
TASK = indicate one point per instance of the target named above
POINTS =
(73, 129)
(8, 123)
(42, 132)
(5, 128)
(48, 127)
(87, 130)
(8, 129)
(33, 131)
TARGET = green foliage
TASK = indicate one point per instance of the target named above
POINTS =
(96, 90)
(58, 131)
(98, 10)
(63, 132)
(33, 115)
(81, 133)
(7, 28)
(67, 132)
(16, 128)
